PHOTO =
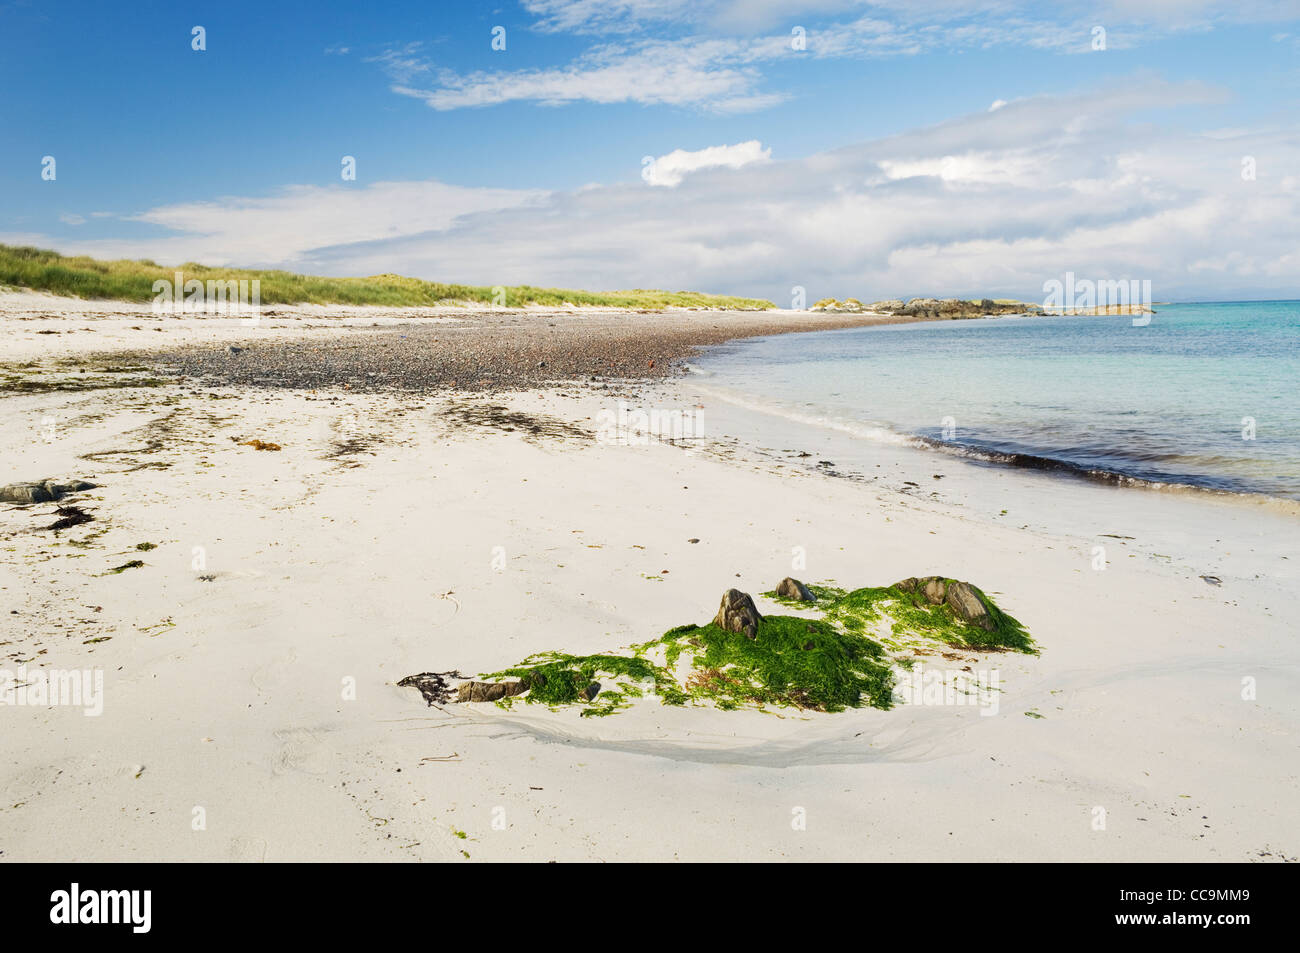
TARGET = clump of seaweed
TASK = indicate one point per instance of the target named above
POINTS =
(70, 516)
(791, 662)
(844, 659)
(908, 614)
(434, 686)
(555, 678)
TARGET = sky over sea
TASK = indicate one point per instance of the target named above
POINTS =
(870, 150)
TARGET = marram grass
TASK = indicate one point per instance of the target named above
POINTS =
(126, 280)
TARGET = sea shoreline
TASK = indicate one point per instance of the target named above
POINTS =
(252, 657)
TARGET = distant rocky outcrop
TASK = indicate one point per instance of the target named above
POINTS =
(928, 308)
(44, 491)
(961, 597)
(737, 613)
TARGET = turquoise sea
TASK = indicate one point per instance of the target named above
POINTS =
(1205, 395)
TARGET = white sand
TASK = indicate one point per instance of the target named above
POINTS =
(378, 564)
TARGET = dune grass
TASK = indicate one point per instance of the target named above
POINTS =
(127, 280)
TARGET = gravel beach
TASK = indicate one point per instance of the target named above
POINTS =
(490, 351)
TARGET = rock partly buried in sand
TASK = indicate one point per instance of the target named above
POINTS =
(791, 588)
(490, 691)
(738, 614)
(959, 596)
(46, 491)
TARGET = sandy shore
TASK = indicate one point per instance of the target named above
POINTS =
(249, 705)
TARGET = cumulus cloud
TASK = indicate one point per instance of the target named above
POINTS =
(669, 170)
(993, 203)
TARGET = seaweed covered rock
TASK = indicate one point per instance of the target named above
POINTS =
(961, 597)
(737, 613)
(791, 588)
(489, 691)
(43, 491)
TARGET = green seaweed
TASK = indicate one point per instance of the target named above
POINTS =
(910, 614)
(841, 660)
(795, 662)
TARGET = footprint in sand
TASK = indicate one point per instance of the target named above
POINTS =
(301, 752)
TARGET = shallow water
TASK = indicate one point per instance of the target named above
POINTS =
(1205, 395)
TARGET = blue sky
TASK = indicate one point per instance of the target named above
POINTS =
(525, 165)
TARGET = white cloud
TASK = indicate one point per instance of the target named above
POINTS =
(710, 53)
(993, 203)
(709, 73)
(72, 219)
(284, 229)
(670, 169)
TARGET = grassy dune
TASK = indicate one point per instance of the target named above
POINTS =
(125, 280)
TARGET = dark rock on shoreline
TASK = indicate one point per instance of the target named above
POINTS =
(492, 691)
(791, 588)
(44, 491)
(737, 613)
(960, 597)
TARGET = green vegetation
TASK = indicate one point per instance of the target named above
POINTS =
(844, 659)
(82, 277)
(899, 618)
(793, 662)
(554, 678)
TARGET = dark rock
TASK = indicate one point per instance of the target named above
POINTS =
(932, 588)
(960, 597)
(737, 613)
(791, 588)
(968, 606)
(591, 691)
(45, 491)
(488, 691)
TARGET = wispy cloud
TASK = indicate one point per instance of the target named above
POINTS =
(716, 74)
(989, 203)
(711, 54)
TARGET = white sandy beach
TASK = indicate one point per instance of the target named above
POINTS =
(363, 552)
